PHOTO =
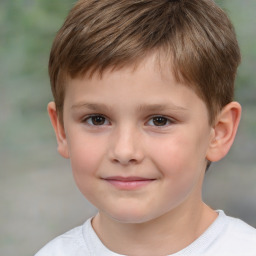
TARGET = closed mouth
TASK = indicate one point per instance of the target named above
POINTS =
(127, 179)
(128, 183)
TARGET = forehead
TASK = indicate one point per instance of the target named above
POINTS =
(154, 69)
(147, 82)
(158, 61)
(151, 68)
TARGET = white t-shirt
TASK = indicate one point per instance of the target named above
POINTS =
(226, 236)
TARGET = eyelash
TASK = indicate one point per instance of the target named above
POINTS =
(167, 121)
(89, 120)
(90, 117)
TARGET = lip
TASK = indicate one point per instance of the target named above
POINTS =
(128, 183)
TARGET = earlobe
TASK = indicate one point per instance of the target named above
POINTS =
(59, 130)
(224, 131)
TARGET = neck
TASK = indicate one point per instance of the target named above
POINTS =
(164, 235)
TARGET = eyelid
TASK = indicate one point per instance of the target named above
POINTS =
(87, 117)
(169, 120)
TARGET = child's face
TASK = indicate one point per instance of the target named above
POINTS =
(137, 142)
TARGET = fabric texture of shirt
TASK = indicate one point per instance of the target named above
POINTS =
(226, 236)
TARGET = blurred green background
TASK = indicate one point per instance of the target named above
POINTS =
(39, 199)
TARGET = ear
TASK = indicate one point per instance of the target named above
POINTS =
(224, 131)
(59, 130)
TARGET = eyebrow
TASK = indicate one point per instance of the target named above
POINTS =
(91, 106)
(141, 108)
(160, 107)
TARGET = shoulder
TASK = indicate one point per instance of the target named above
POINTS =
(79, 241)
(227, 236)
(239, 230)
(237, 237)
(70, 243)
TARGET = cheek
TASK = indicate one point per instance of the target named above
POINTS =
(175, 154)
(178, 163)
(86, 155)
(181, 160)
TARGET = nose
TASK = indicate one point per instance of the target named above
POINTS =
(126, 146)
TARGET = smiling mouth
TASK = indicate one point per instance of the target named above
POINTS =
(128, 183)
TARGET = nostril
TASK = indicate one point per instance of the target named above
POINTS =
(124, 161)
(125, 149)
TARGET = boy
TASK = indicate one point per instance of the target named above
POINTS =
(143, 103)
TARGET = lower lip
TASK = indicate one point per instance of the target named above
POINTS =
(129, 185)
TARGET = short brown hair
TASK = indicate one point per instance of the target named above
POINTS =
(195, 35)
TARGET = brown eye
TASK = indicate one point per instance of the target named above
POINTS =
(160, 121)
(96, 120)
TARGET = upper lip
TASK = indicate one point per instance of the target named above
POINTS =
(130, 178)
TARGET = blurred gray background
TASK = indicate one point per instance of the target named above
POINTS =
(39, 199)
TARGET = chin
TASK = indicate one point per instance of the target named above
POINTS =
(131, 216)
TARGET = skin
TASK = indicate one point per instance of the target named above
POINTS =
(138, 143)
